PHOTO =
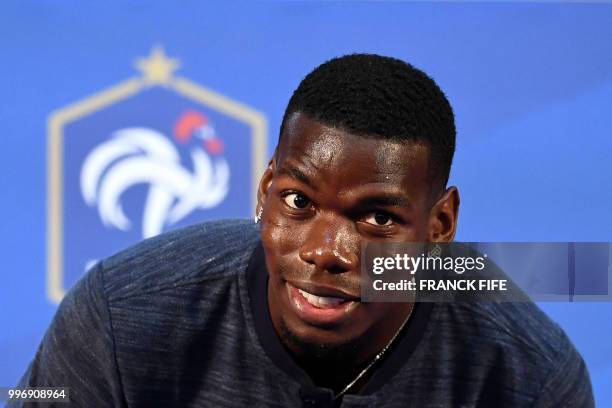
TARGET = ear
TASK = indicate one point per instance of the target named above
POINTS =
(443, 217)
(264, 184)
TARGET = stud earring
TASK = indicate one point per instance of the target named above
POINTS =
(258, 216)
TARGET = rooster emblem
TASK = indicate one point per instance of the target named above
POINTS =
(139, 155)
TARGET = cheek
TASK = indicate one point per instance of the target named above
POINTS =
(280, 234)
(280, 237)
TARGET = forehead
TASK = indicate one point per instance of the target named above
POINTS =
(333, 154)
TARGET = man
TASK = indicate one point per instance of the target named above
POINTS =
(231, 313)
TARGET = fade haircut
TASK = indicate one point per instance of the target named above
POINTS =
(380, 97)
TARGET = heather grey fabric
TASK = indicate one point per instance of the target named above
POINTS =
(169, 323)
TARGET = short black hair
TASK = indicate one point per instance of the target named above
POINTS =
(375, 96)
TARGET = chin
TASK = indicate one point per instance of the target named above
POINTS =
(317, 342)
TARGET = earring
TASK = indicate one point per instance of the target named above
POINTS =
(258, 216)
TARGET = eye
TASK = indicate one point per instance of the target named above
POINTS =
(379, 219)
(296, 200)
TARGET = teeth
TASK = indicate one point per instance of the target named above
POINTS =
(321, 301)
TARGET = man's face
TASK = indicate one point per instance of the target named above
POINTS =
(325, 193)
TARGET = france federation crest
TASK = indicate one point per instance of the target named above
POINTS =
(152, 153)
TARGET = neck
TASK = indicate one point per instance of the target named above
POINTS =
(332, 373)
(336, 366)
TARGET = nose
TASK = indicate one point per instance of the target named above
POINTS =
(332, 246)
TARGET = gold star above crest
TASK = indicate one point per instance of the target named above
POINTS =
(157, 68)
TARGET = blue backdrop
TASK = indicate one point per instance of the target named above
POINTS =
(531, 85)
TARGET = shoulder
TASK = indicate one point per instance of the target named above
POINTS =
(492, 353)
(509, 321)
(210, 250)
(514, 325)
(517, 346)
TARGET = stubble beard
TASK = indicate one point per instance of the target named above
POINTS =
(329, 353)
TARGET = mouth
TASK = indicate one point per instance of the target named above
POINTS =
(320, 306)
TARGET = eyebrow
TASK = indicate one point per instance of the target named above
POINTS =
(382, 200)
(297, 174)
(392, 200)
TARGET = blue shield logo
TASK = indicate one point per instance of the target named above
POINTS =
(150, 154)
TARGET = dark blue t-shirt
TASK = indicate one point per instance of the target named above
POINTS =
(182, 320)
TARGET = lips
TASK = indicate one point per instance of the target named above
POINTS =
(322, 302)
(323, 290)
(318, 305)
